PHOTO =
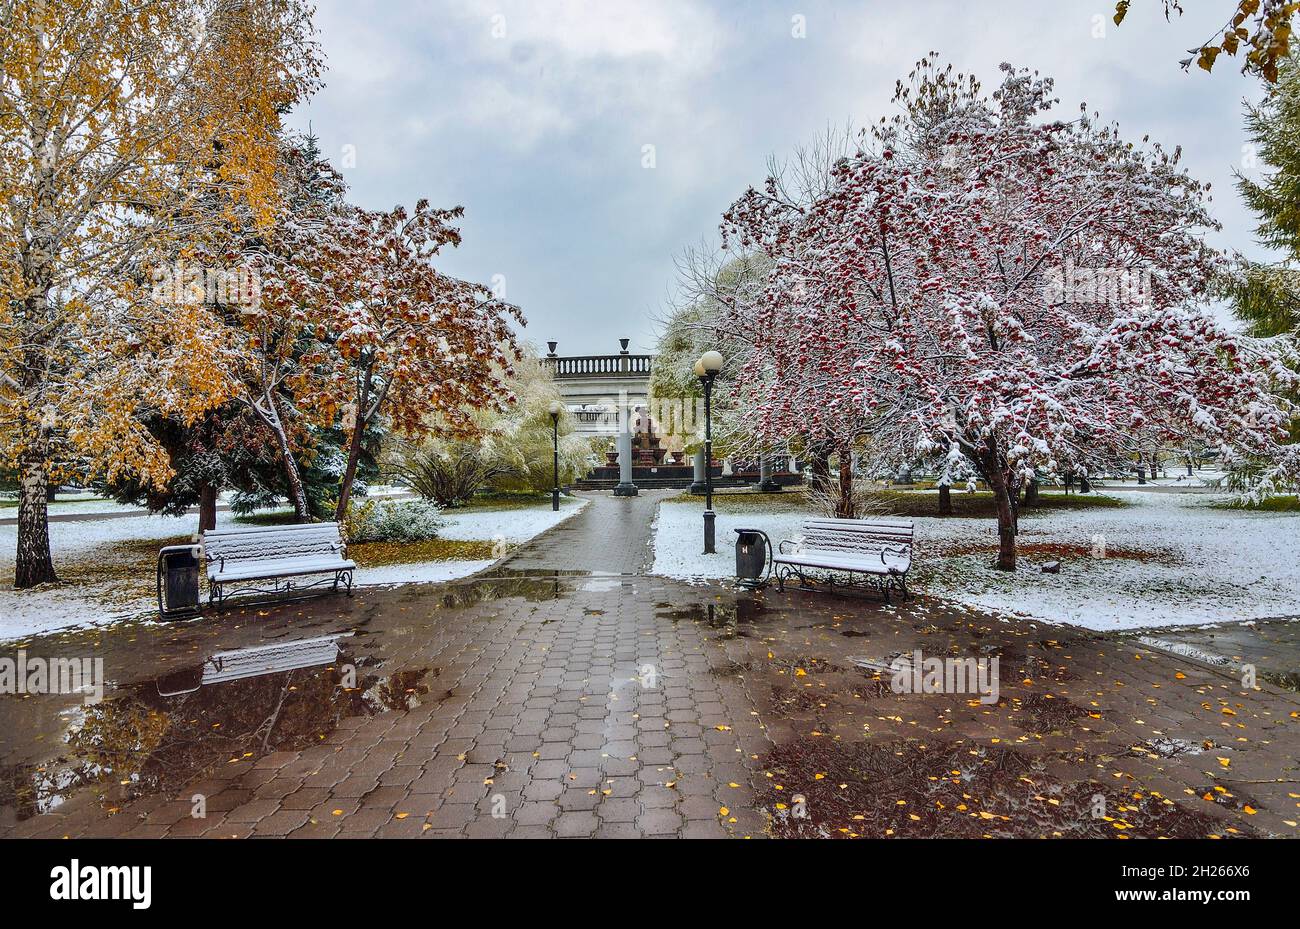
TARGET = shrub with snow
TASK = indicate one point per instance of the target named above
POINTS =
(394, 521)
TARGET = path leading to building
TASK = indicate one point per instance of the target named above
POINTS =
(567, 694)
(613, 535)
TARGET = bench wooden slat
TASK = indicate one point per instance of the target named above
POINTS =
(262, 553)
(881, 548)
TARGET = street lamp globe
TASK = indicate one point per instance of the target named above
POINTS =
(699, 367)
(556, 407)
(711, 362)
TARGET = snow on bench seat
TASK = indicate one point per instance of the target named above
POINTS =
(878, 548)
(275, 553)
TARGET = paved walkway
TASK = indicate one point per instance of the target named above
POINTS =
(566, 694)
(611, 536)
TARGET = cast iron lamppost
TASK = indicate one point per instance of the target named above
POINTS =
(706, 369)
(556, 407)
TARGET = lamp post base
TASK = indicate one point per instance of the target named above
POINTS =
(769, 486)
(698, 489)
(625, 489)
(709, 517)
(555, 499)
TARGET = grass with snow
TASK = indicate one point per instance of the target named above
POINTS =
(1170, 558)
(898, 502)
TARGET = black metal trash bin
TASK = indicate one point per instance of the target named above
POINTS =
(178, 581)
(753, 557)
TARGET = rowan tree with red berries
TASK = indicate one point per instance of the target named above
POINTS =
(1025, 290)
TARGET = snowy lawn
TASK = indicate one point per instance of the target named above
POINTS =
(108, 565)
(84, 502)
(1171, 559)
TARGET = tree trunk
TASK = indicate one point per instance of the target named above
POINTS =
(349, 472)
(37, 249)
(207, 507)
(271, 417)
(52, 492)
(819, 467)
(1031, 493)
(1006, 507)
(33, 564)
(945, 500)
(296, 492)
(844, 499)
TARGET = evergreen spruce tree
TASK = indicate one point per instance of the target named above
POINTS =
(1266, 297)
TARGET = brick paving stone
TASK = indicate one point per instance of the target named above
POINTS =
(575, 824)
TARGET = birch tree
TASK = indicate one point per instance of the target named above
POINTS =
(110, 113)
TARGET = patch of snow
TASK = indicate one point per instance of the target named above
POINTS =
(508, 525)
(1200, 564)
(425, 572)
(69, 606)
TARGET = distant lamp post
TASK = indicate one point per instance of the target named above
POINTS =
(556, 408)
(706, 369)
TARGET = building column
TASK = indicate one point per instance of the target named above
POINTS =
(625, 487)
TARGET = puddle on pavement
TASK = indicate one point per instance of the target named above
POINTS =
(731, 617)
(1271, 647)
(230, 686)
(156, 736)
(912, 788)
(1169, 748)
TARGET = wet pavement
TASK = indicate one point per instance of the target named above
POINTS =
(566, 694)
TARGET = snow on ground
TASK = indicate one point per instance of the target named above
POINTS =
(83, 502)
(1172, 559)
(102, 597)
(508, 525)
(425, 572)
(109, 586)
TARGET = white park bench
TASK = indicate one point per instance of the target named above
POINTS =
(877, 550)
(243, 558)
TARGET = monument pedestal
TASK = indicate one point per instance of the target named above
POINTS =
(625, 487)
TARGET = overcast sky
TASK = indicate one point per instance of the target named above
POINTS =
(534, 115)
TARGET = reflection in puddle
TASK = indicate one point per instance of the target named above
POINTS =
(251, 662)
(729, 617)
(159, 735)
(501, 586)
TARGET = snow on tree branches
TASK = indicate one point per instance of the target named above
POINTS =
(110, 115)
(1023, 289)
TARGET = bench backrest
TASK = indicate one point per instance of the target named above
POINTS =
(269, 543)
(856, 535)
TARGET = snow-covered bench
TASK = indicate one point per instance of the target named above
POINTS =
(880, 550)
(242, 557)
